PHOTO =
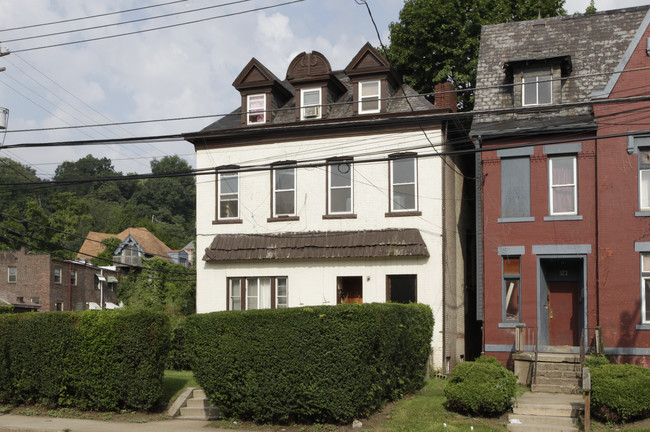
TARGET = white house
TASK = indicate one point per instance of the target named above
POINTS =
(328, 188)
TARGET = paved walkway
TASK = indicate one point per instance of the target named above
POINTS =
(18, 423)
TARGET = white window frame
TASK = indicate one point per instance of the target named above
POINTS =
(244, 292)
(574, 184)
(310, 111)
(251, 112)
(221, 196)
(393, 184)
(534, 82)
(366, 98)
(58, 275)
(277, 191)
(645, 276)
(331, 188)
(73, 277)
(12, 276)
(281, 302)
(644, 169)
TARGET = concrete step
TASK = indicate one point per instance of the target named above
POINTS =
(559, 374)
(199, 394)
(543, 420)
(540, 428)
(198, 403)
(572, 367)
(549, 404)
(563, 381)
(207, 413)
(556, 388)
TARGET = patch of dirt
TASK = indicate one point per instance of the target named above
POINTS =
(119, 416)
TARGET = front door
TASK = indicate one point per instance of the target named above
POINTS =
(563, 313)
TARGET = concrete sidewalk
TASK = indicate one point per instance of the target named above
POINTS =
(18, 423)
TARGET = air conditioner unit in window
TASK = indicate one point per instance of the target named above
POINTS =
(311, 112)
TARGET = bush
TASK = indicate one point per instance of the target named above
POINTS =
(6, 309)
(594, 361)
(178, 357)
(313, 364)
(102, 360)
(482, 387)
(620, 393)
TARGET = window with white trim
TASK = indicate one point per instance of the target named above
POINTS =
(340, 187)
(645, 288)
(310, 103)
(284, 191)
(511, 289)
(247, 293)
(563, 185)
(537, 90)
(403, 181)
(228, 196)
(12, 274)
(256, 109)
(369, 95)
(57, 275)
(644, 179)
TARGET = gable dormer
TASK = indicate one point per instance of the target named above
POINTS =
(316, 87)
(373, 80)
(538, 81)
(261, 93)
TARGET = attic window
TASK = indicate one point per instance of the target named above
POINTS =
(369, 97)
(256, 109)
(537, 90)
(310, 101)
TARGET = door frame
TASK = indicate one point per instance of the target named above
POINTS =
(576, 272)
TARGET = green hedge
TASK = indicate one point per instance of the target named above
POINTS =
(101, 360)
(620, 392)
(312, 364)
(6, 309)
(482, 387)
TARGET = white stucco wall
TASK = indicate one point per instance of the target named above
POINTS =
(313, 282)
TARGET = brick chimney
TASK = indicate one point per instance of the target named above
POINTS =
(445, 96)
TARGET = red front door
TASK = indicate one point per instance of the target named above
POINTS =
(563, 313)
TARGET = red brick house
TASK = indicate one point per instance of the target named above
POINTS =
(563, 201)
(39, 282)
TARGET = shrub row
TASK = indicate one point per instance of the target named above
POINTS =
(312, 364)
(620, 392)
(482, 387)
(101, 360)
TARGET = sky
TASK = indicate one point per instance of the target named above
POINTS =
(178, 72)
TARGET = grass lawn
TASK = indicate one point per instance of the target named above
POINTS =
(174, 382)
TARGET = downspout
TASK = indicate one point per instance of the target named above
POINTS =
(70, 286)
(478, 187)
(101, 291)
(446, 360)
(597, 238)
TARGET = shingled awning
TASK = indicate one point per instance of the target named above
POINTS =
(317, 245)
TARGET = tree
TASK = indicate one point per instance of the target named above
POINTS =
(591, 8)
(88, 167)
(438, 40)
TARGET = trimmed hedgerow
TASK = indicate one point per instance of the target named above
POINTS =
(6, 309)
(482, 387)
(101, 360)
(178, 355)
(311, 364)
(620, 392)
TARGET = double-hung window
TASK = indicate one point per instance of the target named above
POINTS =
(247, 293)
(644, 179)
(256, 108)
(645, 288)
(12, 275)
(515, 188)
(340, 187)
(310, 103)
(73, 277)
(403, 183)
(537, 90)
(228, 195)
(284, 191)
(511, 289)
(369, 92)
(563, 185)
(57, 275)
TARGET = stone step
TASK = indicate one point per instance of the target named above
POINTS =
(542, 420)
(199, 394)
(540, 428)
(572, 367)
(206, 413)
(559, 374)
(198, 403)
(563, 381)
(556, 388)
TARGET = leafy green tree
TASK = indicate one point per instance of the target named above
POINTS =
(88, 167)
(591, 8)
(105, 258)
(438, 40)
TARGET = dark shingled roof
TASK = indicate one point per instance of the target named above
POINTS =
(591, 44)
(317, 245)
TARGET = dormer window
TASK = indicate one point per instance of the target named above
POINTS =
(256, 109)
(537, 90)
(369, 97)
(310, 102)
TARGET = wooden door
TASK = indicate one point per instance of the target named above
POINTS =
(563, 313)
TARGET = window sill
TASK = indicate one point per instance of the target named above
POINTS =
(642, 213)
(516, 219)
(511, 325)
(340, 216)
(643, 326)
(563, 218)
(404, 213)
(283, 219)
(226, 221)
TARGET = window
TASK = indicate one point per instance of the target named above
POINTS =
(58, 306)
(310, 101)
(401, 288)
(563, 191)
(100, 279)
(284, 192)
(256, 109)
(257, 293)
(228, 196)
(340, 187)
(537, 90)
(403, 180)
(12, 275)
(73, 277)
(515, 187)
(349, 289)
(36, 300)
(511, 289)
(57, 275)
(369, 97)
(645, 288)
(644, 179)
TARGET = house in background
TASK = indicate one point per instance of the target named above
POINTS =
(137, 244)
(39, 282)
(562, 123)
(328, 189)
